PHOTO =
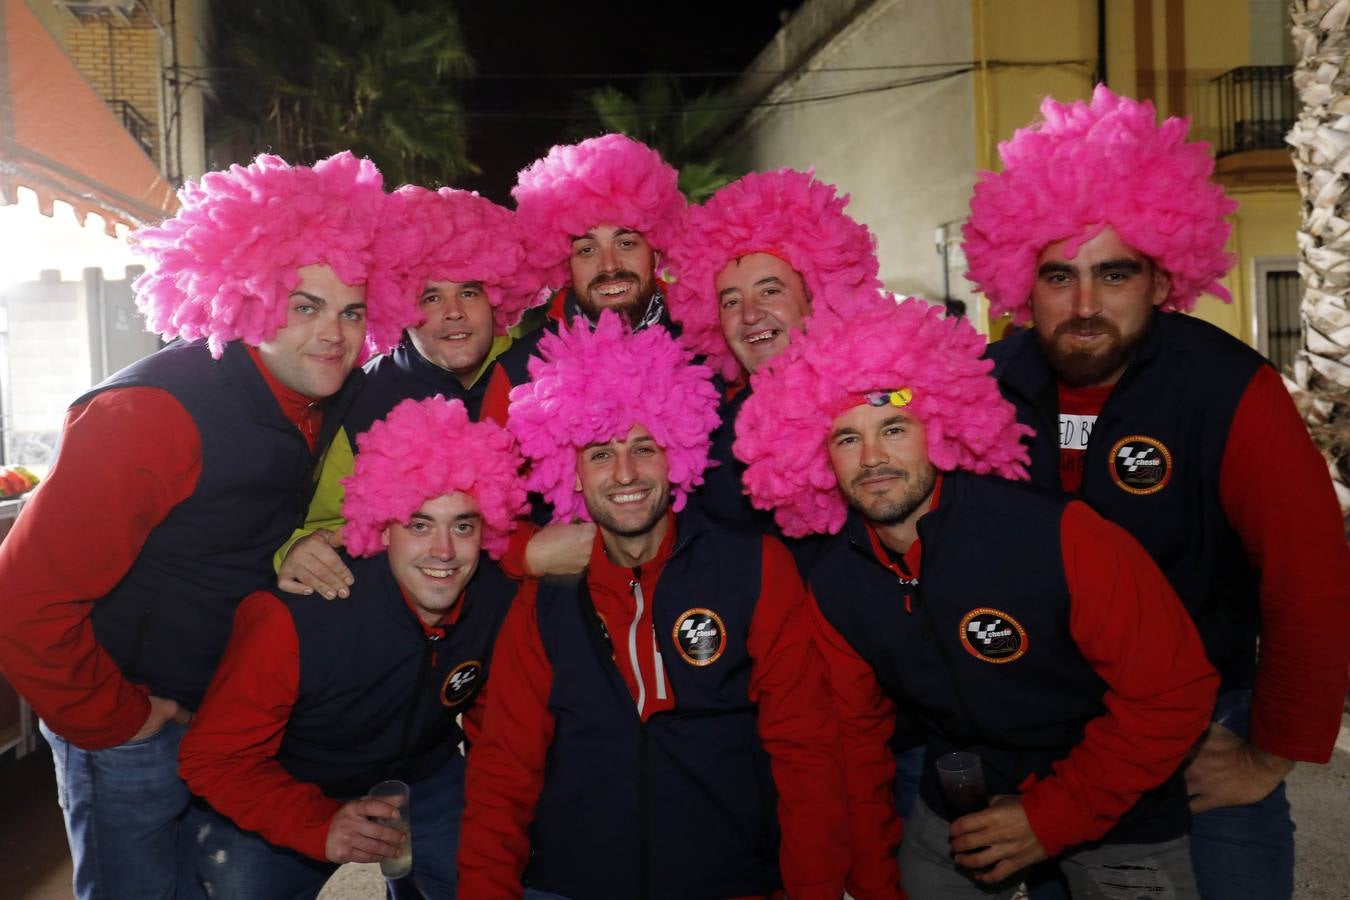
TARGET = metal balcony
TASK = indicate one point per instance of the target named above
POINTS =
(137, 125)
(1257, 107)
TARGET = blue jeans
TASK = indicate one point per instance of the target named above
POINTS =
(908, 774)
(1244, 851)
(127, 817)
(234, 864)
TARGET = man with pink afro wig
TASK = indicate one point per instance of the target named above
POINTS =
(595, 215)
(976, 605)
(751, 264)
(1103, 228)
(316, 701)
(196, 463)
(458, 261)
(672, 684)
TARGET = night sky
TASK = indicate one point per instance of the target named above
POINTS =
(514, 120)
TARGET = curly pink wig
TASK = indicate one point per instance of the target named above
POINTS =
(1087, 166)
(589, 387)
(788, 214)
(420, 451)
(607, 180)
(452, 235)
(781, 430)
(223, 266)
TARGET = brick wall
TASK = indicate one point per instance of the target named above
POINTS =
(121, 61)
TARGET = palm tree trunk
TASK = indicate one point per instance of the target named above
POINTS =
(1321, 148)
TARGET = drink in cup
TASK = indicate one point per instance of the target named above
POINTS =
(395, 793)
(962, 778)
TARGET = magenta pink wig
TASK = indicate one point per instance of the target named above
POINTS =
(1087, 166)
(223, 266)
(607, 180)
(781, 430)
(423, 450)
(788, 214)
(451, 235)
(590, 387)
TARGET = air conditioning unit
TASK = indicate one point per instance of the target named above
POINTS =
(86, 10)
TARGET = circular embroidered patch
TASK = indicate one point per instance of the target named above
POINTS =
(1140, 464)
(461, 681)
(700, 636)
(993, 636)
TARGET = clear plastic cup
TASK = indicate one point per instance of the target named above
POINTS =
(962, 777)
(396, 794)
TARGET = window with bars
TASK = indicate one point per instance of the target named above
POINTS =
(1284, 329)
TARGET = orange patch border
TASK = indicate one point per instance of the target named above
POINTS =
(1140, 492)
(451, 674)
(679, 644)
(965, 641)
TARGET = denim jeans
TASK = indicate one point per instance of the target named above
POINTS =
(127, 816)
(234, 864)
(1109, 872)
(1244, 851)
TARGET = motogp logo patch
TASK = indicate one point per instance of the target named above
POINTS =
(1140, 464)
(993, 636)
(700, 636)
(461, 681)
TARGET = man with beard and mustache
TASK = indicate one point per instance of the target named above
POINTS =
(658, 721)
(1103, 228)
(977, 604)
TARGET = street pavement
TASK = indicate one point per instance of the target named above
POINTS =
(1320, 796)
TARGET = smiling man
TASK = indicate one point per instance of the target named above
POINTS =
(460, 258)
(596, 216)
(316, 702)
(1103, 229)
(751, 265)
(177, 473)
(669, 698)
(1080, 694)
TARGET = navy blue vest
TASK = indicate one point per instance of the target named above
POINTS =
(378, 696)
(1152, 466)
(683, 806)
(167, 621)
(984, 661)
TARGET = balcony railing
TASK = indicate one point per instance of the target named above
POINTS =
(137, 125)
(1256, 108)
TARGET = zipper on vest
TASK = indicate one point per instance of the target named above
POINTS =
(428, 663)
(644, 817)
(640, 602)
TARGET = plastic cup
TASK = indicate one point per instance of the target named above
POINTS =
(396, 794)
(963, 787)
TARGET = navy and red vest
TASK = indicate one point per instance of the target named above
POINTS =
(379, 695)
(983, 659)
(405, 374)
(1152, 466)
(167, 621)
(682, 806)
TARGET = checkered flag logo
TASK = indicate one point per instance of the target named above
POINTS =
(1132, 458)
(993, 635)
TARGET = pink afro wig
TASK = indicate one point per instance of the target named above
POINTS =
(788, 214)
(781, 430)
(420, 451)
(224, 265)
(607, 180)
(451, 235)
(1087, 166)
(588, 387)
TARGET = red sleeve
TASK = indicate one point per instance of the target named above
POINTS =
(797, 728)
(496, 399)
(228, 756)
(1134, 632)
(1277, 495)
(127, 457)
(866, 722)
(506, 765)
(513, 560)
